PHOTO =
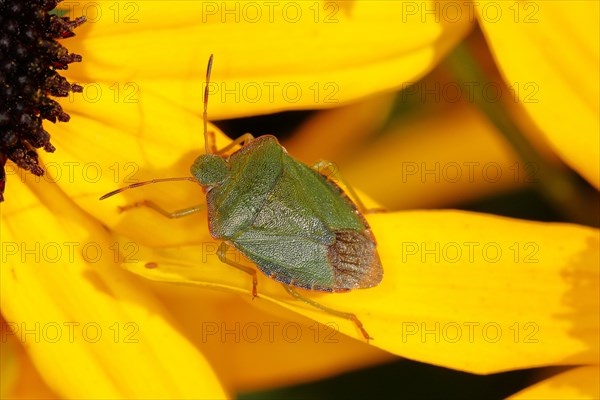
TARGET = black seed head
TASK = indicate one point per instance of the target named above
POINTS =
(30, 57)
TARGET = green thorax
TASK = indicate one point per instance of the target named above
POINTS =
(266, 189)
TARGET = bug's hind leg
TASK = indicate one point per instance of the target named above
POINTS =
(329, 169)
(169, 214)
(222, 254)
(242, 140)
(345, 315)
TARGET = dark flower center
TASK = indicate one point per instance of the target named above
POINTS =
(30, 57)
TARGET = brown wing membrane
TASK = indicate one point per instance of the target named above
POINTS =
(355, 261)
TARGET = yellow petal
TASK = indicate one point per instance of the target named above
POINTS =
(109, 144)
(527, 291)
(88, 327)
(466, 291)
(452, 156)
(296, 55)
(549, 53)
(20, 379)
(578, 383)
(337, 133)
(10, 361)
(256, 345)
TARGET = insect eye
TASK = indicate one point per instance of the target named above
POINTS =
(209, 170)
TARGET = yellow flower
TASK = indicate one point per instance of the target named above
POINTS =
(468, 291)
(557, 72)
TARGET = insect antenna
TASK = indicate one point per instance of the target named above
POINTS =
(138, 184)
(205, 114)
(205, 120)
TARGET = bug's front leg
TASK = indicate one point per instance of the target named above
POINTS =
(329, 169)
(222, 254)
(345, 315)
(169, 214)
(242, 140)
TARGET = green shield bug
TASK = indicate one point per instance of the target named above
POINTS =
(293, 222)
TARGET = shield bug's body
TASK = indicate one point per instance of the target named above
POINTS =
(293, 222)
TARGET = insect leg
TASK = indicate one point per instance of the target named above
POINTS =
(328, 169)
(348, 316)
(175, 214)
(222, 254)
(245, 139)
